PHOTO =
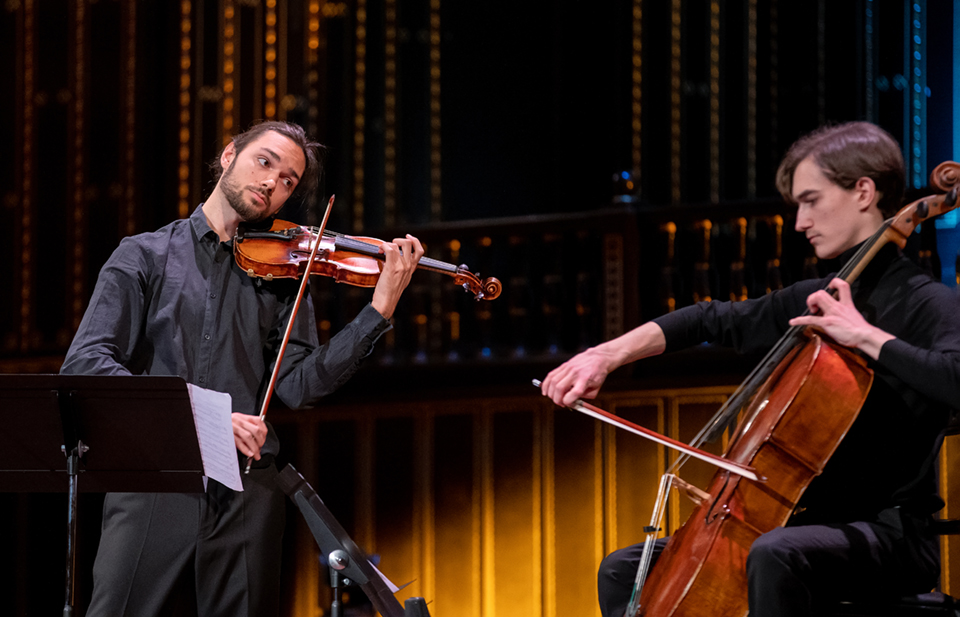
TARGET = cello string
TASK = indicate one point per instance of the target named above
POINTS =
(727, 412)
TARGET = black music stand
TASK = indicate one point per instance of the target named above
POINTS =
(117, 434)
(345, 558)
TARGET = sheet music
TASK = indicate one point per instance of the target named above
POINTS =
(386, 581)
(211, 414)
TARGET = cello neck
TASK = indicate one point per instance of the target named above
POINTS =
(893, 230)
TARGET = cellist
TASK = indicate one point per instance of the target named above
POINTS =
(862, 527)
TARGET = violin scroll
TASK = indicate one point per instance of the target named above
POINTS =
(485, 289)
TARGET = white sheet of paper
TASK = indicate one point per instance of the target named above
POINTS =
(393, 588)
(211, 414)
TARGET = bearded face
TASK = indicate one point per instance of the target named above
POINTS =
(260, 178)
(250, 209)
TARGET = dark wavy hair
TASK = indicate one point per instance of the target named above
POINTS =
(313, 153)
(845, 153)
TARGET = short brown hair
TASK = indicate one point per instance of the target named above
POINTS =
(845, 153)
(313, 153)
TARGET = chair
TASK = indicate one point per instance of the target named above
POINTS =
(933, 604)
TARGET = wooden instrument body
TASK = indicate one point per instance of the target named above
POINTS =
(795, 422)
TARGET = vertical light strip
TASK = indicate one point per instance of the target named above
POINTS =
(364, 461)
(476, 517)
(675, 85)
(774, 83)
(489, 604)
(536, 512)
(915, 97)
(287, 100)
(26, 212)
(79, 206)
(436, 191)
(751, 98)
(184, 153)
(427, 535)
(313, 59)
(485, 579)
(270, 55)
(821, 62)
(956, 81)
(598, 499)
(870, 64)
(305, 595)
(610, 487)
(359, 112)
(613, 282)
(946, 451)
(129, 225)
(673, 431)
(229, 65)
(714, 101)
(390, 113)
(661, 449)
(549, 514)
(636, 123)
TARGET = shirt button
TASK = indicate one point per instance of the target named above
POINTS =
(206, 336)
(203, 379)
(213, 295)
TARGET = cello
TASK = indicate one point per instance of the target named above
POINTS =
(795, 409)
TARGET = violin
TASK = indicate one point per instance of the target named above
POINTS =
(283, 250)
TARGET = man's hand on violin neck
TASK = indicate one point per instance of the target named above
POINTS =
(400, 261)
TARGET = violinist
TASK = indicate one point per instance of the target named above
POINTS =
(174, 302)
(861, 529)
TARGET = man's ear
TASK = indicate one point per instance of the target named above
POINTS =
(226, 157)
(866, 193)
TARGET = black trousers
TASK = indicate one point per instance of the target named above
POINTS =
(211, 554)
(794, 571)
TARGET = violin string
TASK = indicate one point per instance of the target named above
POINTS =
(372, 250)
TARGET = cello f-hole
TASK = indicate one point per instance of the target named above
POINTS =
(711, 514)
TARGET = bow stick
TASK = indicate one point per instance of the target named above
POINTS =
(286, 335)
(605, 416)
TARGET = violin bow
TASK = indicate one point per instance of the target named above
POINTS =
(293, 316)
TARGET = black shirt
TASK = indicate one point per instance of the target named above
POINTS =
(174, 302)
(888, 457)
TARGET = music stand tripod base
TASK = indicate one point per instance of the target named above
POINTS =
(345, 558)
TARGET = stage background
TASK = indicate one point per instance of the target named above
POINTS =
(607, 161)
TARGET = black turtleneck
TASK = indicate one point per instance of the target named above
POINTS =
(888, 457)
